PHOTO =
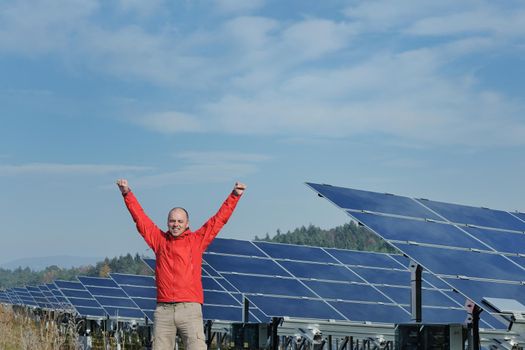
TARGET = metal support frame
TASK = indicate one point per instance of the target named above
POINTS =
(415, 291)
(472, 322)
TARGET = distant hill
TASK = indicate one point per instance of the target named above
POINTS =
(347, 236)
(62, 261)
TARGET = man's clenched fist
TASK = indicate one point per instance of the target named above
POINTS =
(123, 185)
(239, 188)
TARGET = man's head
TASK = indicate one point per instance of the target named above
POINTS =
(178, 221)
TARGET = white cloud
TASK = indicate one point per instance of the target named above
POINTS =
(42, 26)
(206, 167)
(68, 169)
(236, 6)
(172, 122)
(140, 7)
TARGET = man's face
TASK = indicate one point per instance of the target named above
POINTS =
(177, 222)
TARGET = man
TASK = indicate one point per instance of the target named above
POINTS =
(178, 253)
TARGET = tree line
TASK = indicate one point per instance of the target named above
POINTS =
(27, 277)
(347, 236)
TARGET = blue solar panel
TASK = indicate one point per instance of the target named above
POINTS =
(502, 241)
(521, 216)
(4, 298)
(224, 313)
(121, 312)
(80, 299)
(207, 270)
(140, 292)
(477, 290)
(210, 284)
(146, 304)
(84, 302)
(91, 312)
(373, 312)
(39, 297)
(384, 276)
(268, 285)
(115, 302)
(392, 228)
(25, 297)
(244, 265)
(219, 298)
(464, 263)
(347, 198)
(54, 303)
(150, 263)
(346, 291)
(75, 293)
(352, 257)
(295, 252)
(476, 216)
(320, 271)
(133, 280)
(233, 246)
(111, 297)
(300, 308)
(401, 295)
(13, 297)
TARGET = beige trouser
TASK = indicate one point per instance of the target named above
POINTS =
(184, 318)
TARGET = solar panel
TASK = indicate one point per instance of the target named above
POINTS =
(475, 216)
(39, 297)
(140, 289)
(54, 304)
(347, 198)
(80, 299)
(112, 298)
(150, 263)
(62, 300)
(4, 297)
(295, 252)
(399, 229)
(25, 297)
(468, 249)
(13, 296)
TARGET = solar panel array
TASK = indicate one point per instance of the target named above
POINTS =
(479, 252)
(276, 279)
(326, 283)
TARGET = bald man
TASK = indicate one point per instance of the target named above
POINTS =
(178, 252)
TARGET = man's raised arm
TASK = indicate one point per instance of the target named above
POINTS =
(212, 227)
(147, 228)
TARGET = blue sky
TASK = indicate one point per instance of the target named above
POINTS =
(183, 98)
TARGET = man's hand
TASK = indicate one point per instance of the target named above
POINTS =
(239, 188)
(123, 185)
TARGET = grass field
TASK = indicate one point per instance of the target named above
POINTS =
(22, 330)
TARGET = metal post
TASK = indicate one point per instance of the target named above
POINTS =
(274, 344)
(415, 291)
(209, 334)
(246, 310)
(473, 324)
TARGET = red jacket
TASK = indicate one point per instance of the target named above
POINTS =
(179, 259)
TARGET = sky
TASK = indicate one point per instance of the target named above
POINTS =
(185, 97)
